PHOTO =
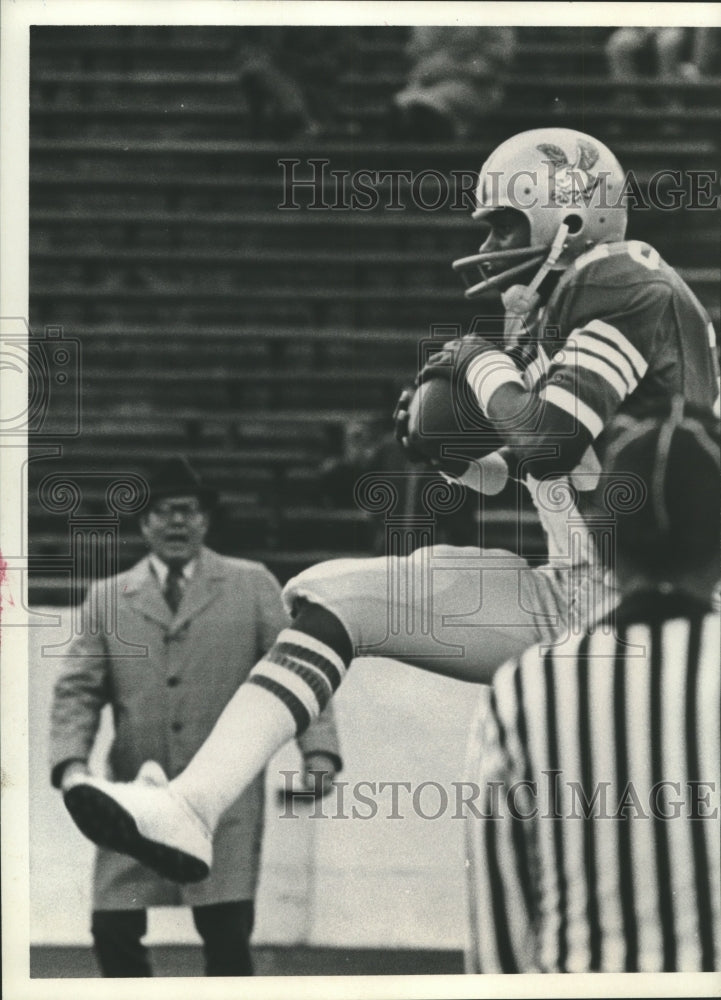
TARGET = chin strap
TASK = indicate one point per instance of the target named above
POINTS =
(559, 241)
(526, 298)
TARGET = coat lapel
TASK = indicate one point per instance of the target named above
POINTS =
(204, 587)
(142, 591)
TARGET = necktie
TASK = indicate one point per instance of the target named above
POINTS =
(173, 591)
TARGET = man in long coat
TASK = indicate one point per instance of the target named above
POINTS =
(166, 644)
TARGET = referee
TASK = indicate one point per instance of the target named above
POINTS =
(598, 844)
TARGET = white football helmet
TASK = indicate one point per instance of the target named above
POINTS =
(556, 177)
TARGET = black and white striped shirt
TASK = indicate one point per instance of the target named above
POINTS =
(599, 763)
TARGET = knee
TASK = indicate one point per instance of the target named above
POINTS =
(323, 583)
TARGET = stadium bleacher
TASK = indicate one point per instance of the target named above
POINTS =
(215, 322)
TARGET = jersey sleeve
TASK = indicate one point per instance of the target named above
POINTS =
(605, 320)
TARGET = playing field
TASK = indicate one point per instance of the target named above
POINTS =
(336, 887)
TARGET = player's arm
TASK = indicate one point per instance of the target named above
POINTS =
(600, 363)
(431, 424)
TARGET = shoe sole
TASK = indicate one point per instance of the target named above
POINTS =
(107, 824)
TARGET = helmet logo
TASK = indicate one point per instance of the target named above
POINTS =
(571, 182)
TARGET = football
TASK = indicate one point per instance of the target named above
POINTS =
(446, 425)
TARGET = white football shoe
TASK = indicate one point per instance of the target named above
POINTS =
(144, 819)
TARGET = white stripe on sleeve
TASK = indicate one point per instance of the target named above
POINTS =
(637, 360)
(489, 372)
(600, 367)
(565, 400)
(612, 355)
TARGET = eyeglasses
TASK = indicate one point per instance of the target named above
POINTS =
(168, 508)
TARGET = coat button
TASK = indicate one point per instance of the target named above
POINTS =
(176, 727)
(173, 682)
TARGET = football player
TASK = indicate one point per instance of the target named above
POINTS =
(601, 330)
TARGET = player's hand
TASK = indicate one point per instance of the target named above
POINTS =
(400, 426)
(319, 771)
(519, 302)
(453, 356)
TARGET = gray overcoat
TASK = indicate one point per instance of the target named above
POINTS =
(167, 678)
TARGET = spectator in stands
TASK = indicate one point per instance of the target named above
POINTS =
(456, 79)
(288, 77)
(188, 625)
(672, 53)
(704, 54)
(340, 473)
(368, 448)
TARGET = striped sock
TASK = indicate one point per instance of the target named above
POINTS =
(302, 672)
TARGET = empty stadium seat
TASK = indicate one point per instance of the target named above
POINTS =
(222, 312)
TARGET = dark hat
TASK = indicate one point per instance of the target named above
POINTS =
(175, 477)
(676, 525)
